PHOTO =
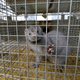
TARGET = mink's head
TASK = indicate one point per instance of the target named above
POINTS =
(33, 33)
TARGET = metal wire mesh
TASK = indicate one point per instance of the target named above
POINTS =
(17, 58)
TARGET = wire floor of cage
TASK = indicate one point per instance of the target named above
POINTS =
(17, 65)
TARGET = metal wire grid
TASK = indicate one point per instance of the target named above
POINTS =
(17, 44)
(21, 6)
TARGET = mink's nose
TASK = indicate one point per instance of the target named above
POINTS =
(34, 37)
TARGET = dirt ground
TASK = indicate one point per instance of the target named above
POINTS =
(18, 66)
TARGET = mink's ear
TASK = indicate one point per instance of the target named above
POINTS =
(40, 30)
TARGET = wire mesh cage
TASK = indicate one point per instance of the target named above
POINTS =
(39, 39)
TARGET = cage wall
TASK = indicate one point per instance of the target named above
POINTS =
(17, 57)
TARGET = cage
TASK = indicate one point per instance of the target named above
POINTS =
(16, 55)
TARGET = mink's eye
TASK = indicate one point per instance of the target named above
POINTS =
(37, 31)
(29, 33)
